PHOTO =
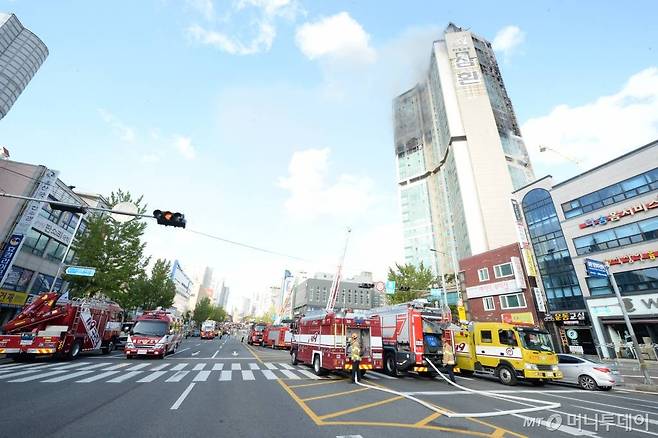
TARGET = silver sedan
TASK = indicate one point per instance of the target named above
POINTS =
(586, 373)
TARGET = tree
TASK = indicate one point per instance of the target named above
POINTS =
(217, 314)
(157, 291)
(269, 315)
(202, 310)
(411, 282)
(115, 250)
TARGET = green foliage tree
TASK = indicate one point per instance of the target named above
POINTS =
(218, 314)
(269, 315)
(418, 279)
(202, 310)
(157, 291)
(115, 250)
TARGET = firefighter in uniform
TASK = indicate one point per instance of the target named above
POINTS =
(355, 355)
(448, 359)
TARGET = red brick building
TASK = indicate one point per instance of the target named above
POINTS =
(498, 288)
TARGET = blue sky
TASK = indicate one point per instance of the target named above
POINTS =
(269, 121)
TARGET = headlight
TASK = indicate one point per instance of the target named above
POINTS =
(556, 368)
(158, 346)
(531, 366)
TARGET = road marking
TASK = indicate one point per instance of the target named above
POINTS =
(182, 397)
(138, 367)
(269, 375)
(289, 374)
(248, 375)
(360, 408)
(334, 394)
(67, 376)
(325, 382)
(503, 391)
(601, 404)
(286, 366)
(116, 367)
(631, 398)
(196, 352)
(236, 366)
(179, 367)
(199, 367)
(196, 345)
(177, 377)
(126, 376)
(14, 366)
(38, 376)
(431, 418)
(201, 376)
(458, 377)
(309, 374)
(160, 367)
(151, 377)
(216, 353)
(19, 373)
(97, 377)
(179, 351)
(73, 365)
(312, 415)
(218, 366)
(615, 413)
(254, 366)
(98, 365)
(270, 365)
(349, 436)
(226, 375)
(562, 428)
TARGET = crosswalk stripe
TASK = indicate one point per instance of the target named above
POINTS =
(38, 376)
(32, 367)
(309, 374)
(289, 374)
(199, 367)
(18, 373)
(269, 375)
(116, 367)
(73, 365)
(286, 366)
(159, 367)
(201, 376)
(218, 367)
(123, 377)
(138, 367)
(151, 377)
(179, 367)
(253, 366)
(270, 366)
(248, 375)
(226, 375)
(16, 366)
(67, 376)
(98, 365)
(236, 366)
(97, 377)
(177, 377)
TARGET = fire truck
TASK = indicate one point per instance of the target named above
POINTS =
(208, 329)
(156, 333)
(256, 333)
(413, 335)
(322, 340)
(277, 336)
(66, 328)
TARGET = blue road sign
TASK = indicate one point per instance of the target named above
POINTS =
(81, 271)
(390, 287)
(596, 268)
(436, 293)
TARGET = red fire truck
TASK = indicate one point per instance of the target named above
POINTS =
(156, 333)
(412, 335)
(65, 328)
(277, 336)
(256, 334)
(322, 340)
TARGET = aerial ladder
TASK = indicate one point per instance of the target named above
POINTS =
(333, 293)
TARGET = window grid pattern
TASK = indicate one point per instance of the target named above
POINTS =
(623, 235)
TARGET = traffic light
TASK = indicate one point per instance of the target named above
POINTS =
(366, 285)
(168, 218)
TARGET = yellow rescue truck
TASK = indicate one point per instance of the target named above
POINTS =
(508, 352)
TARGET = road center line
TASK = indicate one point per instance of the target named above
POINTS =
(182, 397)
(215, 355)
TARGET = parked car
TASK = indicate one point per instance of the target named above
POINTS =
(123, 336)
(196, 333)
(587, 373)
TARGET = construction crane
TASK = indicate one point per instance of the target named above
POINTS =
(333, 293)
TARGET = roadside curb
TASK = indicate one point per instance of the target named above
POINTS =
(640, 387)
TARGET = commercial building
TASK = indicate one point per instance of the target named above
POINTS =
(206, 289)
(184, 288)
(21, 55)
(312, 294)
(609, 213)
(498, 288)
(223, 295)
(459, 155)
(34, 236)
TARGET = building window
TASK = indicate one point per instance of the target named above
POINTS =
(512, 301)
(488, 304)
(507, 337)
(623, 235)
(36, 242)
(43, 283)
(483, 274)
(55, 250)
(627, 189)
(638, 280)
(17, 279)
(504, 270)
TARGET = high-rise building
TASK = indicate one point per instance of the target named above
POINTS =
(21, 55)
(184, 286)
(459, 155)
(223, 295)
(206, 288)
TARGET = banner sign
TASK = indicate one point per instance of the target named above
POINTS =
(11, 248)
(90, 327)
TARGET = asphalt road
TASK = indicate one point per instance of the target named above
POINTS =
(224, 388)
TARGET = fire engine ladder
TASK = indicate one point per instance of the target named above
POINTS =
(76, 320)
(333, 294)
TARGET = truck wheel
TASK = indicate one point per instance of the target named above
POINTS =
(293, 357)
(108, 348)
(390, 366)
(75, 350)
(317, 369)
(506, 375)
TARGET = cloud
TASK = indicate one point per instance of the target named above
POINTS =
(336, 37)
(150, 158)
(125, 132)
(508, 39)
(601, 130)
(184, 147)
(312, 195)
(204, 7)
(261, 15)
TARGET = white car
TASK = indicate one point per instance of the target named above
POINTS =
(586, 373)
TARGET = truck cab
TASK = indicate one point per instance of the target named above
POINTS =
(508, 352)
(155, 334)
(256, 334)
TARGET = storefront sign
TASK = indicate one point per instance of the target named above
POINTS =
(649, 255)
(566, 316)
(616, 215)
(52, 230)
(539, 298)
(519, 276)
(498, 288)
(12, 298)
(7, 256)
(646, 304)
(518, 318)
